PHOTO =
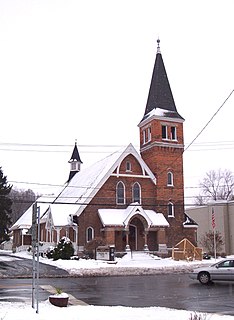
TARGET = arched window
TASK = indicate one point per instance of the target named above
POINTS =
(120, 193)
(170, 179)
(89, 234)
(170, 209)
(128, 166)
(136, 192)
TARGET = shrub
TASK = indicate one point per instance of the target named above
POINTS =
(223, 255)
(92, 245)
(64, 250)
(207, 242)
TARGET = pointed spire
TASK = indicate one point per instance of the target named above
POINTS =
(75, 162)
(160, 94)
(158, 47)
(75, 154)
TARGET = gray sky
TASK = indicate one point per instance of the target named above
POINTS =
(81, 70)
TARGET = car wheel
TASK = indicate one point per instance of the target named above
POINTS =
(204, 277)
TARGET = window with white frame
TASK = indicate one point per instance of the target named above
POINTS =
(170, 209)
(120, 193)
(89, 234)
(170, 178)
(128, 166)
(136, 193)
(164, 132)
(169, 132)
(173, 133)
(147, 135)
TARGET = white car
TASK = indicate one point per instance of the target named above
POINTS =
(220, 271)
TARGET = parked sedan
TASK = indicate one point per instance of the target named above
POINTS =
(220, 271)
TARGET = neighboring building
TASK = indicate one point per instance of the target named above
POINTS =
(223, 220)
(130, 200)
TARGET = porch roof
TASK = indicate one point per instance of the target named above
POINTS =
(122, 217)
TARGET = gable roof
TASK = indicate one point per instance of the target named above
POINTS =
(160, 99)
(122, 217)
(189, 222)
(25, 221)
(61, 214)
(79, 191)
(85, 184)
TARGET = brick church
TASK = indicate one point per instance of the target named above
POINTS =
(132, 200)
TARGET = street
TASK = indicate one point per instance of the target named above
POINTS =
(163, 290)
(172, 291)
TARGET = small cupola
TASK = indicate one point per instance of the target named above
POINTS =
(75, 162)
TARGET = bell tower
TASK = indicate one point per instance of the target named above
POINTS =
(75, 162)
(162, 146)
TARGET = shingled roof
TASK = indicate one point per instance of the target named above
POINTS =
(160, 94)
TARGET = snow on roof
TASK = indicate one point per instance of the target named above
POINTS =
(25, 221)
(112, 217)
(62, 213)
(86, 183)
(157, 219)
(163, 113)
(80, 190)
(121, 217)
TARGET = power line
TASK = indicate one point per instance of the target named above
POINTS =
(206, 125)
(191, 143)
(201, 145)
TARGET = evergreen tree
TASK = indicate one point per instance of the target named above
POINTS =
(5, 207)
(64, 250)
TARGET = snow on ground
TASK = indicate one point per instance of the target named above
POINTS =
(137, 262)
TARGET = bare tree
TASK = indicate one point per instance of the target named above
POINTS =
(21, 201)
(216, 185)
(207, 242)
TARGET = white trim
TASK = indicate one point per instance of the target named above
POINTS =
(92, 236)
(149, 119)
(162, 144)
(171, 178)
(133, 199)
(172, 209)
(124, 195)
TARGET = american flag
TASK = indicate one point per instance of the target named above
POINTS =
(213, 218)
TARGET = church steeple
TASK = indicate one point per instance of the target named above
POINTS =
(75, 162)
(162, 146)
(160, 99)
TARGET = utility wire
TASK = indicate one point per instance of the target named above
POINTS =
(191, 143)
(210, 120)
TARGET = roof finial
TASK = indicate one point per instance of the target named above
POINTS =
(75, 141)
(158, 48)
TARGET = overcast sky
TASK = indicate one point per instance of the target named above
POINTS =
(82, 69)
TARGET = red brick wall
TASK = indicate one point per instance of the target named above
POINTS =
(153, 196)
(106, 198)
(163, 156)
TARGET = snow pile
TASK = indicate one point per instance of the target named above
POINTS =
(19, 311)
(130, 264)
(138, 263)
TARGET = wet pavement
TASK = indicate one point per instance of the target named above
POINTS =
(16, 267)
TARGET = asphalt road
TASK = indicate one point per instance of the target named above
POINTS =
(22, 268)
(165, 290)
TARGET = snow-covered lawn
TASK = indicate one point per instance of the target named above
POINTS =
(136, 263)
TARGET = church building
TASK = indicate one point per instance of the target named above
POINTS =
(132, 200)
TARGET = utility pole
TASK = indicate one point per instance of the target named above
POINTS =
(35, 253)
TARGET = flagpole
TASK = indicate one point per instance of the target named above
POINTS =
(214, 231)
(214, 244)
